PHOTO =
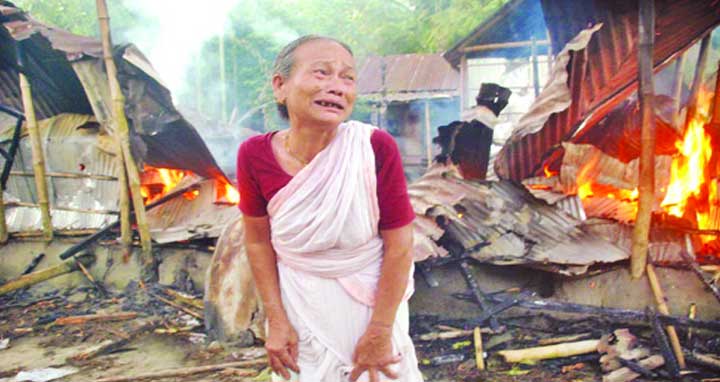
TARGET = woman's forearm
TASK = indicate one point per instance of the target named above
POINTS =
(394, 275)
(264, 269)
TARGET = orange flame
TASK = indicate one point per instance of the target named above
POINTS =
(231, 194)
(687, 174)
(549, 173)
(159, 181)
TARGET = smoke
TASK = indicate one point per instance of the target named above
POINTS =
(173, 32)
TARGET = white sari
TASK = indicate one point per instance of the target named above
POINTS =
(324, 226)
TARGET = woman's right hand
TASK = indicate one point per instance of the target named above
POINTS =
(282, 347)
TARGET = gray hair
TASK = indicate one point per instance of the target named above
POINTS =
(285, 61)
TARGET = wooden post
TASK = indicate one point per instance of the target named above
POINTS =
(125, 228)
(428, 134)
(677, 91)
(697, 80)
(3, 224)
(535, 69)
(37, 155)
(463, 85)
(479, 360)
(663, 308)
(67, 266)
(122, 131)
(646, 181)
(223, 88)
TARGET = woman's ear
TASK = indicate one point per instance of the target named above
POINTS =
(278, 84)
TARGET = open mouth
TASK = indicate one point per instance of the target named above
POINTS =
(330, 104)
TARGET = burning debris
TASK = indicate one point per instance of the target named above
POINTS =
(564, 205)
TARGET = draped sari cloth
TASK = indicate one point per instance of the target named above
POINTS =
(324, 229)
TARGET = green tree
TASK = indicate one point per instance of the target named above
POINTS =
(77, 16)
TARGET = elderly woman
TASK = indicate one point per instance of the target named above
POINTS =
(327, 228)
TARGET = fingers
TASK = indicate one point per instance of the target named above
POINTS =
(356, 372)
(288, 361)
(388, 372)
(373, 375)
(277, 366)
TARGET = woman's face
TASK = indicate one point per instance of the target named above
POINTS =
(321, 86)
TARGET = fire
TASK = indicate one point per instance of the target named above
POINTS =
(584, 180)
(549, 173)
(687, 174)
(228, 193)
(157, 181)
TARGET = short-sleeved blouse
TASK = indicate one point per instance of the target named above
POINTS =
(260, 176)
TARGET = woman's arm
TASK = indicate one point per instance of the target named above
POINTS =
(282, 340)
(374, 350)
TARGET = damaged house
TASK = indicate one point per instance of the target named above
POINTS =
(72, 105)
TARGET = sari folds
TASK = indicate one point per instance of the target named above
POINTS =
(324, 229)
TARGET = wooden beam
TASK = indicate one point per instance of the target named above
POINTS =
(663, 308)
(535, 67)
(646, 181)
(67, 266)
(184, 372)
(428, 134)
(677, 90)
(700, 65)
(3, 223)
(38, 156)
(123, 133)
(504, 45)
(68, 175)
(58, 208)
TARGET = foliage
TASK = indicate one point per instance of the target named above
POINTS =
(259, 28)
(77, 16)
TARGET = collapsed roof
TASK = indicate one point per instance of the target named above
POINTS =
(64, 71)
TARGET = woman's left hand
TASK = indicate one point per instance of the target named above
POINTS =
(373, 354)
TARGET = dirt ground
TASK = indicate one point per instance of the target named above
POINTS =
(36, 341)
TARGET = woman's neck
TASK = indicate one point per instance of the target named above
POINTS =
(306, 142)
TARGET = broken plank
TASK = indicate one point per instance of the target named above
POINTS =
(36, 277)
(183, 372)
(111, 345)
(78, 320)
(568, 349)
(616, 314)
(625, 374)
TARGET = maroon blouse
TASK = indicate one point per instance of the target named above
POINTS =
(260, 176)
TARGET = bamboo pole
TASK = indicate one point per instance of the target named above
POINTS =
(646, 181)
(535, 66)
(697, 80)
(58, 208)
(38, 157)
(663, 308)
(677, 90)
(3, 223)
(479, 360)
(67, 175)
(122, 131)
(504, 45)
(568, 349)
(124, 204)
(223, 88)
(67, 266)
(184, 372)
(428, 134)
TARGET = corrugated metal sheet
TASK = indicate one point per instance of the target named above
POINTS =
(189, 219)
(500, 223)
(603, 74)
(408, 76)
(70, 146)
(55, 88)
